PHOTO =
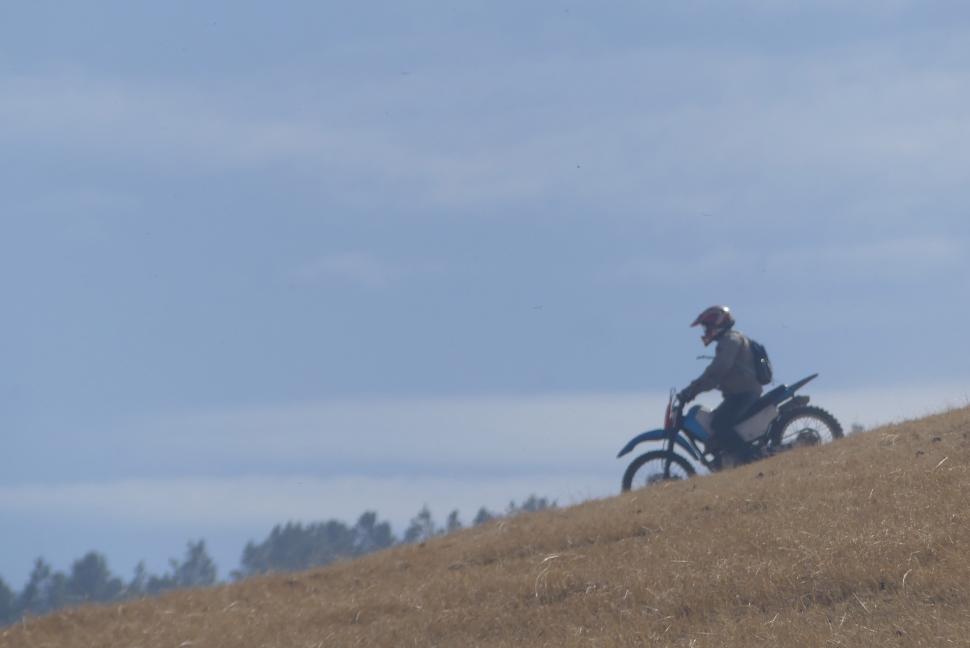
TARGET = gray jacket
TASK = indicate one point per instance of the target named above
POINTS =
(732, 370)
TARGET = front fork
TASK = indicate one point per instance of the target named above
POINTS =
(669, 453)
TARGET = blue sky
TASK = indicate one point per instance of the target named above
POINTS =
(297, 262)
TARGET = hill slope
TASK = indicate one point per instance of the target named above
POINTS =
(865, 542)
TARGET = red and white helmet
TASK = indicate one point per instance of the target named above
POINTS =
(715, 320)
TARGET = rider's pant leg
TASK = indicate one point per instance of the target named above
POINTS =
(726, 415)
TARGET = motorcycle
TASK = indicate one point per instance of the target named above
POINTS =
(778, 421)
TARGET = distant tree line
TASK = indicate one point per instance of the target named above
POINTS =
(90, 580)
(294, 546)
(288, 547)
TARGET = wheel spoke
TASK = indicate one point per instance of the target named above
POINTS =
(660, 470)
(807, 430)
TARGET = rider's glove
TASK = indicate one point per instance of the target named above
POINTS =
(685, 395)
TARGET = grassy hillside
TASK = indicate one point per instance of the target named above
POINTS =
(865, 542)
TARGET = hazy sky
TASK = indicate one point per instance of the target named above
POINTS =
(298, 261)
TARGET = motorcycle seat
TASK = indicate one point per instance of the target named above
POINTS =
(769, 398)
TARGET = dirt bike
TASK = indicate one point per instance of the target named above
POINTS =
(778, 421)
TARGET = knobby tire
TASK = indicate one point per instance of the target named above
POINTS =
(654, 455)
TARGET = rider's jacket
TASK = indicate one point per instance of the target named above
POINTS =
(732, 370)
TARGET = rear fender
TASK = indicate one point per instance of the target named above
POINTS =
(657, 435)
(801, 383)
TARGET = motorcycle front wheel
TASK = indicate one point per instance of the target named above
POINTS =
(805, 426)
(655, 467)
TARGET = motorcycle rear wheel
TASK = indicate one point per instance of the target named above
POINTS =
(805, 426)
(648, 469)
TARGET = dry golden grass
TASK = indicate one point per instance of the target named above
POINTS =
(865, 542)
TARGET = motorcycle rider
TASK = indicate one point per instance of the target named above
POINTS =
(732, 372)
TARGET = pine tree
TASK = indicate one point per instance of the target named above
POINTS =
(45, 590)
(453, 523)
(91, 580)
(8, 604)
(422, 527)
(483, 516)
(197, 570)
(371, 535)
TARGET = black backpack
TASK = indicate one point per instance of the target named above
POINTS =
(762, 364)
